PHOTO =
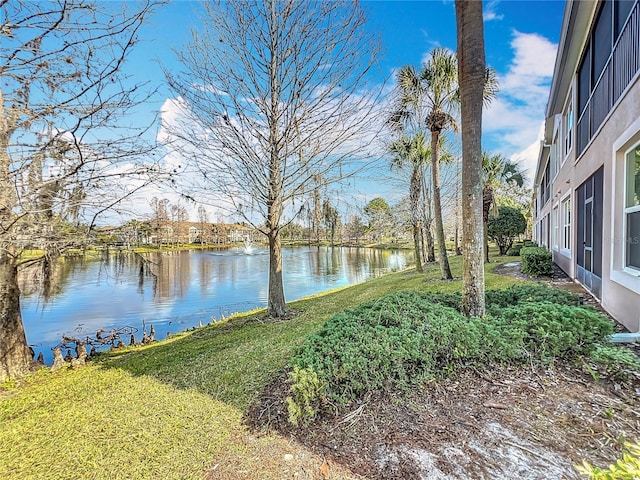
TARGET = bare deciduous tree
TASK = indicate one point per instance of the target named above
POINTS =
(273, 95)
(331, 219)
(159, 218)
(66, 144)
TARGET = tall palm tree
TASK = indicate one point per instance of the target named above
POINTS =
(407, 120)
(471, 73)
(413, 152)
(431, 96)
(497, 170)
(432, 93)
(428, 98)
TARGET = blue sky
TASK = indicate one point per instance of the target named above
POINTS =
(520, 41)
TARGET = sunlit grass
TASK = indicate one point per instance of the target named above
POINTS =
(105, 423)
(166, 410)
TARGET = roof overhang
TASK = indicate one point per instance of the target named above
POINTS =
(542, 161)
(545, 147)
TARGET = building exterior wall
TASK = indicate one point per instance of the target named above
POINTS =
(618, 286)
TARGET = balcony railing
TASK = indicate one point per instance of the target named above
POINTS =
(620, 69)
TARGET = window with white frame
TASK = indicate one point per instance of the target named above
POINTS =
(567, 128)
(554, 228)
(544, 231)
(632, 209)
(565, 211)
(545, 184)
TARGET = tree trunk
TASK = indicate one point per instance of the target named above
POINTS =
(471, 76)
(414, 198)
(431, 249)
(15, 354)
(418, 250)
(276, 306)
(445, 270)
(485, 242)
(487, 195)
(427, 242)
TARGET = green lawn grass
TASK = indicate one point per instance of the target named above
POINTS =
(164, 410)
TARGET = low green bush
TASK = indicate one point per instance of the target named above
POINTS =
(508, 297)
(402, 340)
(452, 300)
(496, 300)
(617, 363)
(398, 341)
(625, 468)
(555, 331)
(536, 261)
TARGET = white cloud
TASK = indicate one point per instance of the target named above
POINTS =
(512, 123)
(490, 12)
(432, 42)
(528, 157)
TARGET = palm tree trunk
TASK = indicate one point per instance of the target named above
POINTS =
(414, 200)
(485, 243)
(487, 195)
(426, 227)
(417, 249)
(431, 249)
(15, 354)
(471, 75)
(445, 270)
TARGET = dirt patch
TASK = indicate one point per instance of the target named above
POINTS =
(252, 456)
(521, 423)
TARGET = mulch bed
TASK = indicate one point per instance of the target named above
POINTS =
(523, 423)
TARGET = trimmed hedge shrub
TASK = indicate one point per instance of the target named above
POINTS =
(536, 261)
(514, 251)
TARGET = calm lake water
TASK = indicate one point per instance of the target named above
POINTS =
(177, 290)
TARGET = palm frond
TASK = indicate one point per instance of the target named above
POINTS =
(491, 86)
(498, 169)
(440, 75)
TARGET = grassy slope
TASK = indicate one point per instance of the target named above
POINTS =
(166, 410)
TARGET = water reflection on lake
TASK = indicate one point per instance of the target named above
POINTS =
(178, 290)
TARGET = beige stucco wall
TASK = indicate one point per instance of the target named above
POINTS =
(562, 187)
(620, 290)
